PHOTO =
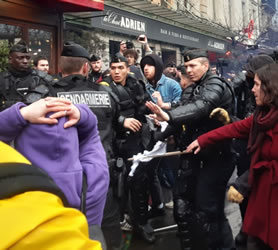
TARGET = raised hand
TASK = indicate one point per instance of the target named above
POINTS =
(160, 115)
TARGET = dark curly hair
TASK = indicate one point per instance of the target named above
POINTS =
(131, 52)
(268, 76)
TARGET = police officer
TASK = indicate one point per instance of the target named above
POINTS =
(75, 86)
(201, 183)
(132, 139)
(96, 65)
(21, 83)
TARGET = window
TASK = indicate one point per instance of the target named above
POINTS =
(40, 39)
(40, 42)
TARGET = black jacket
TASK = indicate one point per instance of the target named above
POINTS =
(199, 99)
(132, 97)
(26, 87)
(197, 102)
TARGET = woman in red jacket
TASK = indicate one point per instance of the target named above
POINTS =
(261, 218)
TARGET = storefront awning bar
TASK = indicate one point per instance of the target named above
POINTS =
(169, 16)
(74, 5)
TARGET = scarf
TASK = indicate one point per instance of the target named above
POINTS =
(264, 119)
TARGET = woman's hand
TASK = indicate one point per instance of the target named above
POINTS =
(37, 111)
(194, 147)
(60, 107)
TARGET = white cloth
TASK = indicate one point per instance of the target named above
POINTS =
(159, 148)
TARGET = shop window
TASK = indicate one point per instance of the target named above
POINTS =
(40, 42)
(114, 47)
(9, 34)
(168, 56)
(39, 38)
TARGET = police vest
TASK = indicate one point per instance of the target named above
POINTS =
(101, 103)
(130, 96)
(27, 89)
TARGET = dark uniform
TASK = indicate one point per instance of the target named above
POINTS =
(201, 182)
(103, 104)
(95, 76)
(132, 97)
(26, 85)
(77, 89)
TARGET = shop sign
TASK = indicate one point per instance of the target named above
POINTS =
(123, 22)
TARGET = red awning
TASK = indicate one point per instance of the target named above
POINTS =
(74, 5)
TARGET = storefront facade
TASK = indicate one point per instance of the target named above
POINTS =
(114, 25)
(40, 24)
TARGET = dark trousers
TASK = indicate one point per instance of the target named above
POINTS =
(203, 188)
(111, 222)
(154, 183)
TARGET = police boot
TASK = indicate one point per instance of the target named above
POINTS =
(139, 202)
(184, 236)
(191, 232)
(241, 241)
(182, 213)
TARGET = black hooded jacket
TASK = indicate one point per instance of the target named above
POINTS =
(155, 60)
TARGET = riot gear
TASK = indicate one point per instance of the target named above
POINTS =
(201, 182)
(26, 88)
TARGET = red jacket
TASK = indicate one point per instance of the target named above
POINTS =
(261, 218)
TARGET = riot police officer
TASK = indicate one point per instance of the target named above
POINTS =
(132, 138)
(96, 72)
(21, 83)
(75, 86)
(201, 183)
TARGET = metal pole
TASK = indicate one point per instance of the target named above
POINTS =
(162, 155)
(165, 228)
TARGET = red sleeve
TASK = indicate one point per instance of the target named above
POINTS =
(238, 130)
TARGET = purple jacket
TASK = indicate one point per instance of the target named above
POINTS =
(64, 154)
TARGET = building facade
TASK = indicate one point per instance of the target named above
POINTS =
(173, 26)
(40, 24)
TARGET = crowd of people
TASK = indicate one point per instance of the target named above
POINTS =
(80, 128)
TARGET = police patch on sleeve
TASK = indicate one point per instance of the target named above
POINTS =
(99, 99)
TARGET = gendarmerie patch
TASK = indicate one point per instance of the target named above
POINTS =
(91, 98)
